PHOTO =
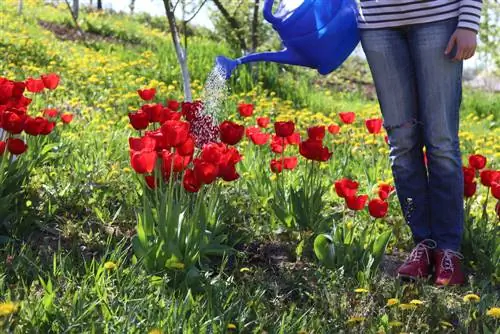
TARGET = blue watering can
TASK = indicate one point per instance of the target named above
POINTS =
(319, 34)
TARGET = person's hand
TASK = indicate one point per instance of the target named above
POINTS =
(466, 43)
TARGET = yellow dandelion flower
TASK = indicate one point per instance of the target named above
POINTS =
(472, 297)
(392, 301)
(231, 326)
(395, 323)
(494, 312)
(407, 306)
(242, 270)
(155, 331)
(7, 308)
(355, 320)
(360, 290)
(416, 302)
(110, 265)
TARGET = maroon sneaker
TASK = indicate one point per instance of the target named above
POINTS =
(447, 267)
(418, 264)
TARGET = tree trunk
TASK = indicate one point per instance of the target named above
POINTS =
(181, 55)
(233, 23)
(20, 7)
(99, 4)
(132, 7)
(255, 26)
(76, 8)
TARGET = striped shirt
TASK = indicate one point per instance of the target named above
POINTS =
(375, 14)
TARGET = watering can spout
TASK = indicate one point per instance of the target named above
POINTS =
(282, 57)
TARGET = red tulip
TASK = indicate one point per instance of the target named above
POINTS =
(290, 162)
(334, 129)
(284, 129)
(488, 176)
(34, 126)
(48, 127)
(469, 174)
(191, 110)
(34, 85)
(314, 150)
(2, 147)
(495, 189)
(150, 181)
(470, 189)
(175, 132)
(139, 120)
(50, 81)
(251, 130)
(190, 182)
(205, 172)
(143, 161)
(12, 122)
(347, 117)
(316, 133)
(263, 122)
(19, 88)
(293, 139)
(378, 208)
(228, 173)
(356, 202)
(477, 161)
(386, 139)
(245, 109)
(384, 190)
(230, 132)
(186, 149)
(260, 138)
(346, 187)
(66, 118)
(373, 125)
(173, 105)
(16, 146)
(51, 113)
(278, 144)
(154, 112)
(276, 166)
(213, 152)
(146, 143)
(147, 94)
(6, 89)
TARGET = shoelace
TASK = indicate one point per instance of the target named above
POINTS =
(421, 248)
(446, 262)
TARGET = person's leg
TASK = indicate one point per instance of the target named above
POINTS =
(439, 84)
(392, 68)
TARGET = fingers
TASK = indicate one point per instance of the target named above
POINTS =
(464, 52)
(451, 44)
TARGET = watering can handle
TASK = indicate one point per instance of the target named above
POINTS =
(268, 12)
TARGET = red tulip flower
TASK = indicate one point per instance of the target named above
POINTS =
(276, 166)
(378, 208)
(34, 126)
(290, 162)
(245, 109)
(66, 118)
(251, 130)
(190, 182)
(346, 187)
(187, 148)
(230, 132)
(469, 174)
(146, 143)
(384, 190)
(316, 133)
(16, 146)
(50, 81)
(154, 111)
(477, 161)
(143, 161)
(260, 138)
(3, 145)
(175, 132)
(284, 129)
(334, 129)
(314, 150)
(347, 117)
(488, 176)
(147, 94)
(173, 105)
(205, 172)
(356, 202)
(470, 189)
(34, 85)
(263, 122)
(373, 125)
(12, 122)
(228, 173)
(495, 189)
(51, 113)
(150, 181)
(47, 128)
(139, 120)
(293, 139)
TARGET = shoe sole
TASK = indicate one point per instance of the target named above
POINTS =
(406, 278)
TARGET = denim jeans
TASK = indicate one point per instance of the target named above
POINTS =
(419, 89)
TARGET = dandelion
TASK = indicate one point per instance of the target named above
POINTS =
(110, 265)
(416, 302)
(242, 270)
(471, 297)
(392, 301)
(493, 312)
(231, 326)
(360, 290)
(7, 308)
(407, 306)
(355, 320)
(155, 331)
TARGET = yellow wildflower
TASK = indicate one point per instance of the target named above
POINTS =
(242, 270)
(155, 331)
(392, 301)
(231, 326)
(355, 320)
(494, 312)
(472, 297)
(7, 308)
(110, 265)
(360, 290)
(407, 306)
(416, 302)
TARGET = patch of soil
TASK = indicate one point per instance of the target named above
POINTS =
(66, 33)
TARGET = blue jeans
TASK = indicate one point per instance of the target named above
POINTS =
(419, 89)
